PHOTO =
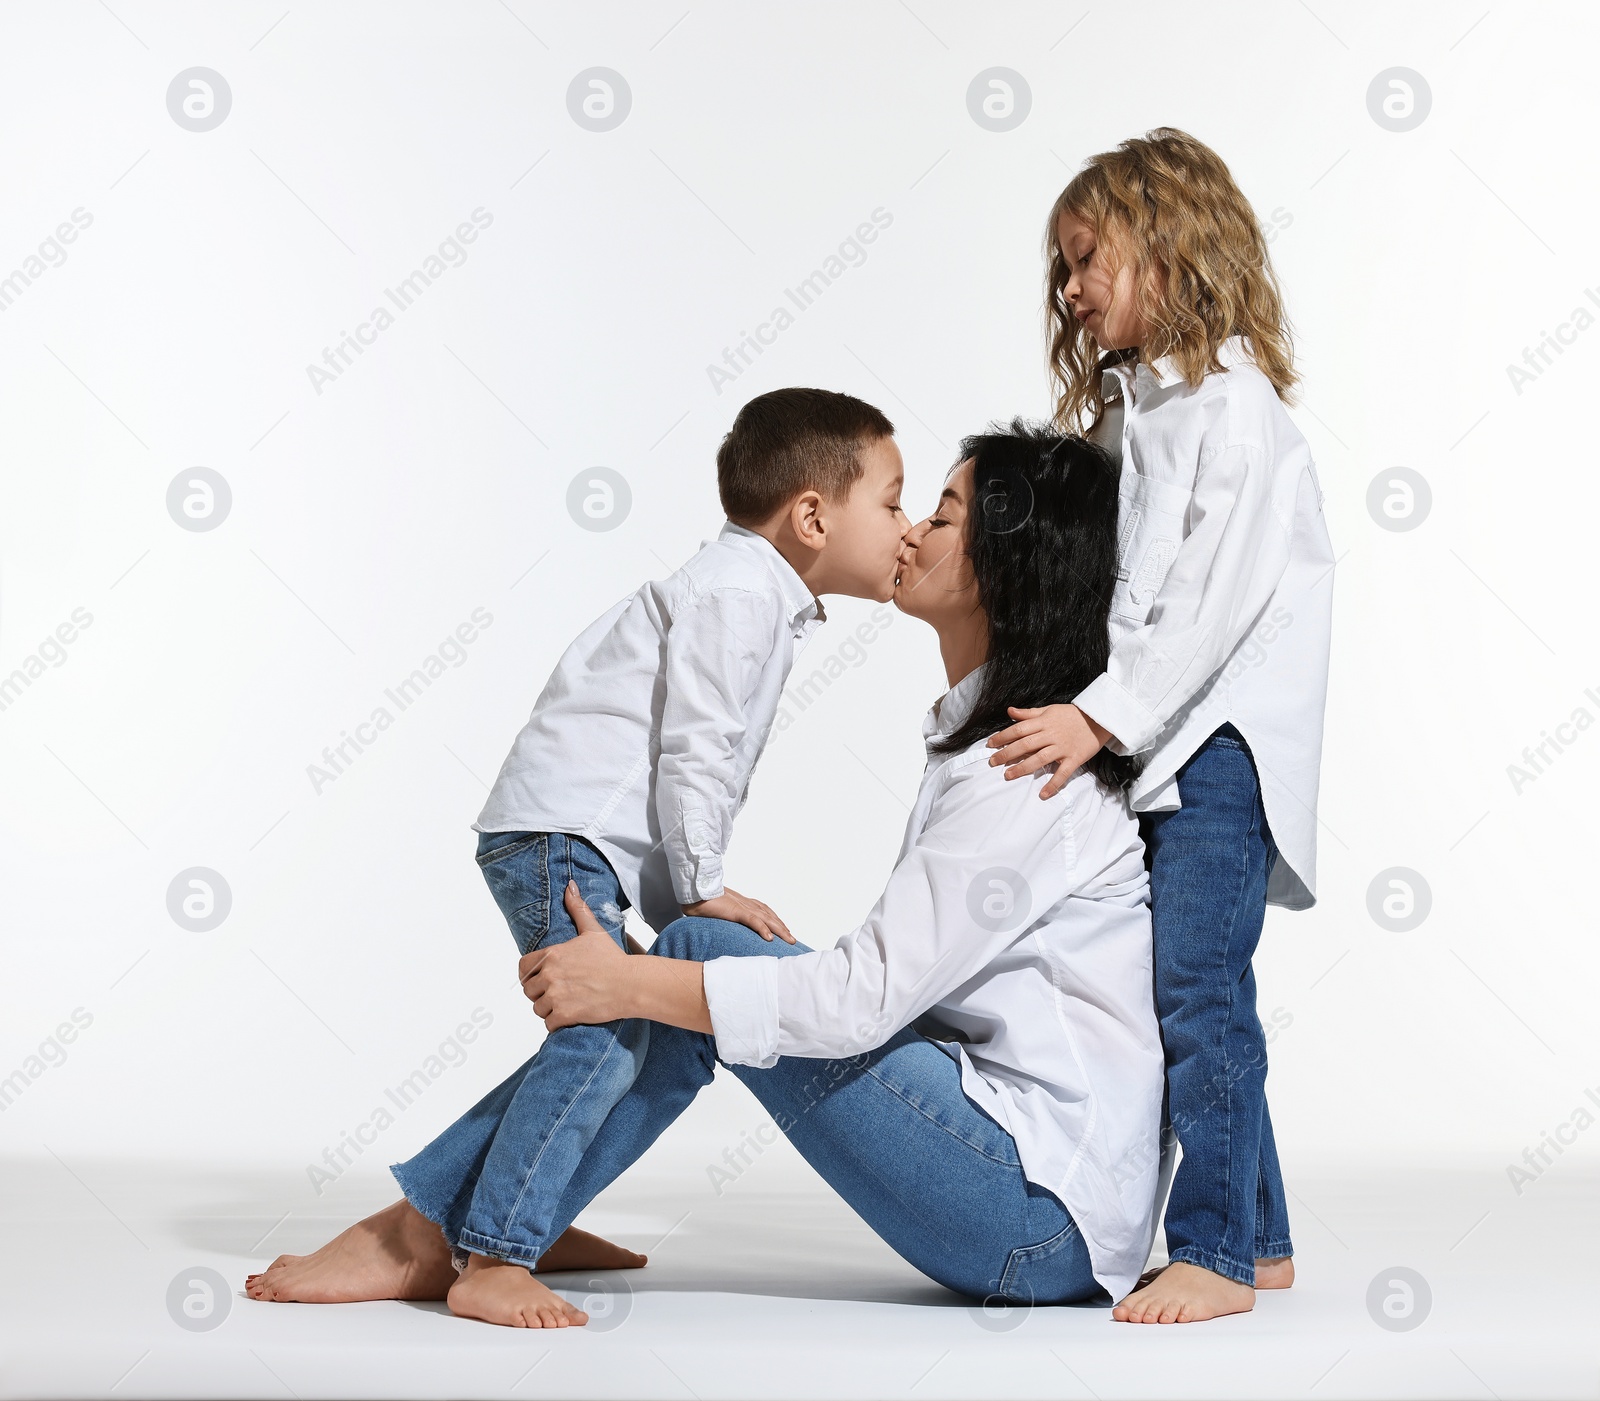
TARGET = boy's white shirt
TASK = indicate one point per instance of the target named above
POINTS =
(1019, 931)
(1223, 605)
(645, 736)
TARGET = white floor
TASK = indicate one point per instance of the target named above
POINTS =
(774, 1288)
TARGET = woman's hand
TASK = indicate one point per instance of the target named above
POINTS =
(581, 981)
(1052, 734)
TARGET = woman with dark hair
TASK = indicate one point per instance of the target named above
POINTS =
(976, 1068)
(1039, 574)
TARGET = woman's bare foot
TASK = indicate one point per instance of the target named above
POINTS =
(579, 1250)
(498, 1292)
(1275, 1274)
(395, 1254)
(400, 1254)
(1185, 1293)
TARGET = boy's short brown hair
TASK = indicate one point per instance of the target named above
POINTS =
(789, 441)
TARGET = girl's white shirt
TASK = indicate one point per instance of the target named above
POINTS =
(1017, 932)
(1223, 605)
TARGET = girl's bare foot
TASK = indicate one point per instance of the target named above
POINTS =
(1185, 1293)
(400, 1254)
(1270, 1274)
(1149, 1275)
(1275, 1274)
(498, 1292)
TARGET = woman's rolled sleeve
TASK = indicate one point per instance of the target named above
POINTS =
(742, 997)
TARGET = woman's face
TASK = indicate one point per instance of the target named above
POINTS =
(936, 582)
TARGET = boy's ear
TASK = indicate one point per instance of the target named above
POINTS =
(807, 520)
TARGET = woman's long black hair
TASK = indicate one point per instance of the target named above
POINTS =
(1042, 539)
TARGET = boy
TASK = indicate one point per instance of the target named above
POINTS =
(635, 761)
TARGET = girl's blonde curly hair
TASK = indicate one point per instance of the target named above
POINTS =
(1168, 204)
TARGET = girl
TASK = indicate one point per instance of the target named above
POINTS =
(1168, 335)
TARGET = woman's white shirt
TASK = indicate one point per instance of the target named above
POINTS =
(1020, 929)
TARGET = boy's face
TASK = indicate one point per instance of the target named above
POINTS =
(1101, 300)
(866, 528)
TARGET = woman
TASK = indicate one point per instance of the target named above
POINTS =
(977, 1068)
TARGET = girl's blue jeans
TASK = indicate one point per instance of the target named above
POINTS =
(890, 1129)
(1208, 865)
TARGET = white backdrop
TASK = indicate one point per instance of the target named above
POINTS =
(424, 486)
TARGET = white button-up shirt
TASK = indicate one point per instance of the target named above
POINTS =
(1223, 606)
(1019, 929)
(644, 738)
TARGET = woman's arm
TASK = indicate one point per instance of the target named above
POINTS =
(986, 864)
(589, 979)
(980, 871)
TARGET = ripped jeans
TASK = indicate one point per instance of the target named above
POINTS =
(565, 1091)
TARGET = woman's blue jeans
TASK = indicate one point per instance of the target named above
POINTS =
(1208, 865)
(890, 1130)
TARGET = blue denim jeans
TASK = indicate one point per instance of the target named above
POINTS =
(1208, 865)
(890, 1130)
(560, 1097)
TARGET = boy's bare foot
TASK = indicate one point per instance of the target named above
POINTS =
(1275, 1274)
(396, 1253)
(507, 1294)
(1185, 1293)
(400, 1254)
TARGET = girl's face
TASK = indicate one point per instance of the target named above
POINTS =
(936, 582)
(1101, 301)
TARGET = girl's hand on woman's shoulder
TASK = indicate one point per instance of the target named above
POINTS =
(1059, 735)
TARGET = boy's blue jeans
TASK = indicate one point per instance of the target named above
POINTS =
(891, 1130)
(1208, 865)
(561, 1096)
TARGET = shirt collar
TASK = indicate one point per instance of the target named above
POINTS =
(1162, 373)
(803, 604)
(947, 714)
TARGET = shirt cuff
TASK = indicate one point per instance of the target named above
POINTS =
(1133, 726)
(742, 997)
(696, 861)
(700, 878)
